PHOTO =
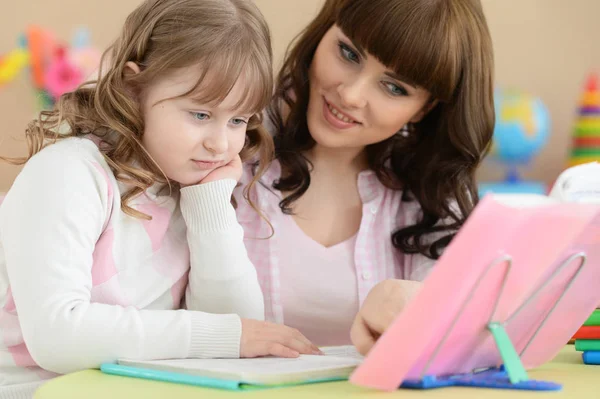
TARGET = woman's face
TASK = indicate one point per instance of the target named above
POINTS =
(354, 99)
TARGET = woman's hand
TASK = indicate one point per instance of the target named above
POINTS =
(381, 307)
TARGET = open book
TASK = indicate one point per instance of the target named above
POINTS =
(514, 285)
(337, 363)
(580, 184)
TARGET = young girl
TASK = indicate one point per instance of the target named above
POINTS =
(98, 240)
(382, 112)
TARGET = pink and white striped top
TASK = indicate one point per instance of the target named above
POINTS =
(375, 258)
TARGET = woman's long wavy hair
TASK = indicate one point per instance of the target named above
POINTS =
(162, 36)
(443, 46)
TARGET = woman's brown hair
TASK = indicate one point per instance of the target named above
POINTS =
(162, 36)
(443, 46)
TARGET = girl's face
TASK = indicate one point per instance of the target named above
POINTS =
(354, 99)
(187, 139)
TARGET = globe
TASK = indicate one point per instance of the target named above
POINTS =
(522, 127)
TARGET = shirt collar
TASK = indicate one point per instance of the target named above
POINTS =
(369, 186)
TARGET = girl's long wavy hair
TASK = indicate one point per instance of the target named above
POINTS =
(230, 37)
(443, 46)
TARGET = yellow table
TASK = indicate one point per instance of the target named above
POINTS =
(580, 381)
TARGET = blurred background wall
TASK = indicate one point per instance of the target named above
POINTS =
(545, 48)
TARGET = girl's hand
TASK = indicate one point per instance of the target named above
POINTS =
(232, 170)
(261, 338)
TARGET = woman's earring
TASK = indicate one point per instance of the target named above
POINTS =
(405, 131)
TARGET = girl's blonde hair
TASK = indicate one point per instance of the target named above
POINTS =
(229, 37)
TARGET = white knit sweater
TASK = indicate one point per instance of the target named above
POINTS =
(82, 283)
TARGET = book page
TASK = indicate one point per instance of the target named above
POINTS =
(347, 351)
(578, 184)
(334, 358)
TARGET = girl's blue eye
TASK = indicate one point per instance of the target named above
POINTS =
(238, 121)
(348, 53)
(201, 116)
(396, 90)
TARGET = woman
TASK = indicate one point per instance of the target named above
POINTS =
(383, 110)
